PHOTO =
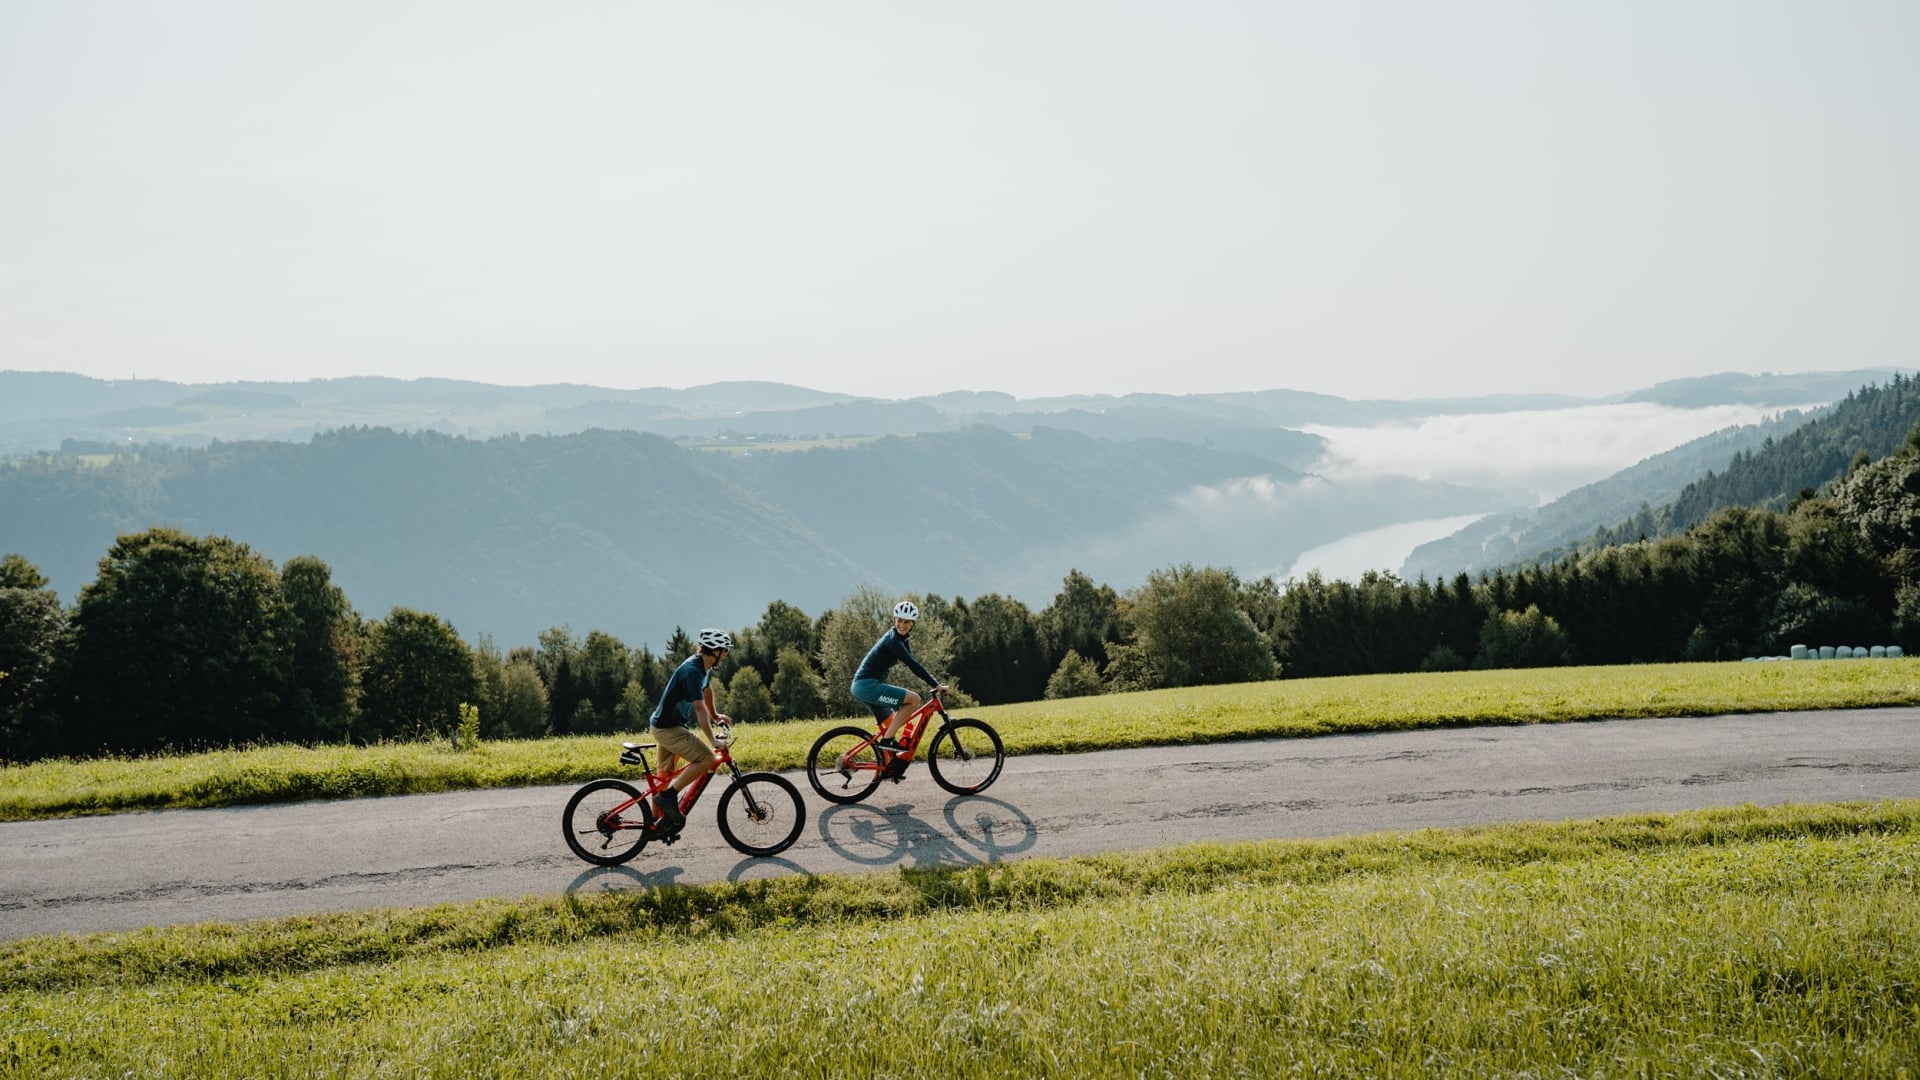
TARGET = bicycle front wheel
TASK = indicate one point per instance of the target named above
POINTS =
(761, 814)
(966, 757)
(606, 822)
(848, 780)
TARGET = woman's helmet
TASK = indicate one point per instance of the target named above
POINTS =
(905, 610)
(715, 639)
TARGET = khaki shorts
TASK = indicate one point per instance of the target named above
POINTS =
(685, 742)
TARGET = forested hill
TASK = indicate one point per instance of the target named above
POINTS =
(1873, 421)
(1519, 537)
(629, 533)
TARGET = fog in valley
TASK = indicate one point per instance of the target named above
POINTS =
(1266, 527)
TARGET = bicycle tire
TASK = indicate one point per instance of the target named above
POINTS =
(584, 820)
(783, 814)
(823, 763)
(959, 757)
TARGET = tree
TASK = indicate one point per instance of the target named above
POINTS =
(601, 674)
(17, 573)
(556, 659)
(176, 644)
(322, 636)
(490, 682)
(1075, 677)
(1194, 630)
(747, 698)
(1083, 618)
(783, 626)
(1516, 639)
(786, 627)
(521, 710)
(996, 650)
(513, 699)
(418, 672)
(1128, 669)
(636, 707)
(32, 638)
(1881, 502)
(798, 691)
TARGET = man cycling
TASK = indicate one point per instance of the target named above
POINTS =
(888, 702)
(687, 698)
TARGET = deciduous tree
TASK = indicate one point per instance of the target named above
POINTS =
(1194, 630)
(798, 691)
(418, 672)
(176, 645)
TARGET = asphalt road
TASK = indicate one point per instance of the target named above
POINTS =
(127, 871)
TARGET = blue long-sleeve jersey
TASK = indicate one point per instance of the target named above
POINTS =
(892, 649)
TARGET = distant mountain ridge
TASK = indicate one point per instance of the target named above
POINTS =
(630, 533)
(643, 509)
(39, 411)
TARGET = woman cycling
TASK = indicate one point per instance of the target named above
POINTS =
(888, 702)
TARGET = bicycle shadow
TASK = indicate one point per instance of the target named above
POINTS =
(606, 880)
(758, 867)
(980, 830)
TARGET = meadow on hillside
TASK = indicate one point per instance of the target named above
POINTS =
(1292, 708)
(1782, 941)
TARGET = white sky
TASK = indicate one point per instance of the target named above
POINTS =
(1367, 199)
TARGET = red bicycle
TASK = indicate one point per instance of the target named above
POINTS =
(608, 821)
(846, 764)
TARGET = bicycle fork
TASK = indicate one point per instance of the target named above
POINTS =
(756, 812)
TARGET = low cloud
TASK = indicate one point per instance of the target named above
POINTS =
(1546, 452)
(1258, 525)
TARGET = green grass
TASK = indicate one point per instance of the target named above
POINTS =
(1782, 941)
(1286, 708)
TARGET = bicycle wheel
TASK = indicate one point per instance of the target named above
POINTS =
(966, 756)
(599, 835)
(761, 814)
(863, 764)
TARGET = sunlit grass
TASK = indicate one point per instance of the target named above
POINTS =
(1286, 708)
(1753, 942)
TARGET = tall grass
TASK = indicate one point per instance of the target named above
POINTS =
(1286, 708)
(1752, 942)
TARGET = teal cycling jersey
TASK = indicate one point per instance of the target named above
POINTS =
(687, 685)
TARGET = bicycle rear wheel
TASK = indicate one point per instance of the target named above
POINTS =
(761, 814)
(862, 773)
(599, 825)
(966, 756)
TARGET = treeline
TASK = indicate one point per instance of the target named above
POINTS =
(186, 642)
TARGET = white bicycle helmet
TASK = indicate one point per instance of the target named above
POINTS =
(715, 639)
(905, 610)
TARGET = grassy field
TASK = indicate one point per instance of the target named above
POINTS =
(1287, 708)
(1778, 942)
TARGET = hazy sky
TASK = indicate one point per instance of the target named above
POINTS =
(1366, 199)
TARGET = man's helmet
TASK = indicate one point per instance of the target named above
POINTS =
(715, 639)
(905, 610)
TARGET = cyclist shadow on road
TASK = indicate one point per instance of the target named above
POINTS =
(618, 879)
(978, 830)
